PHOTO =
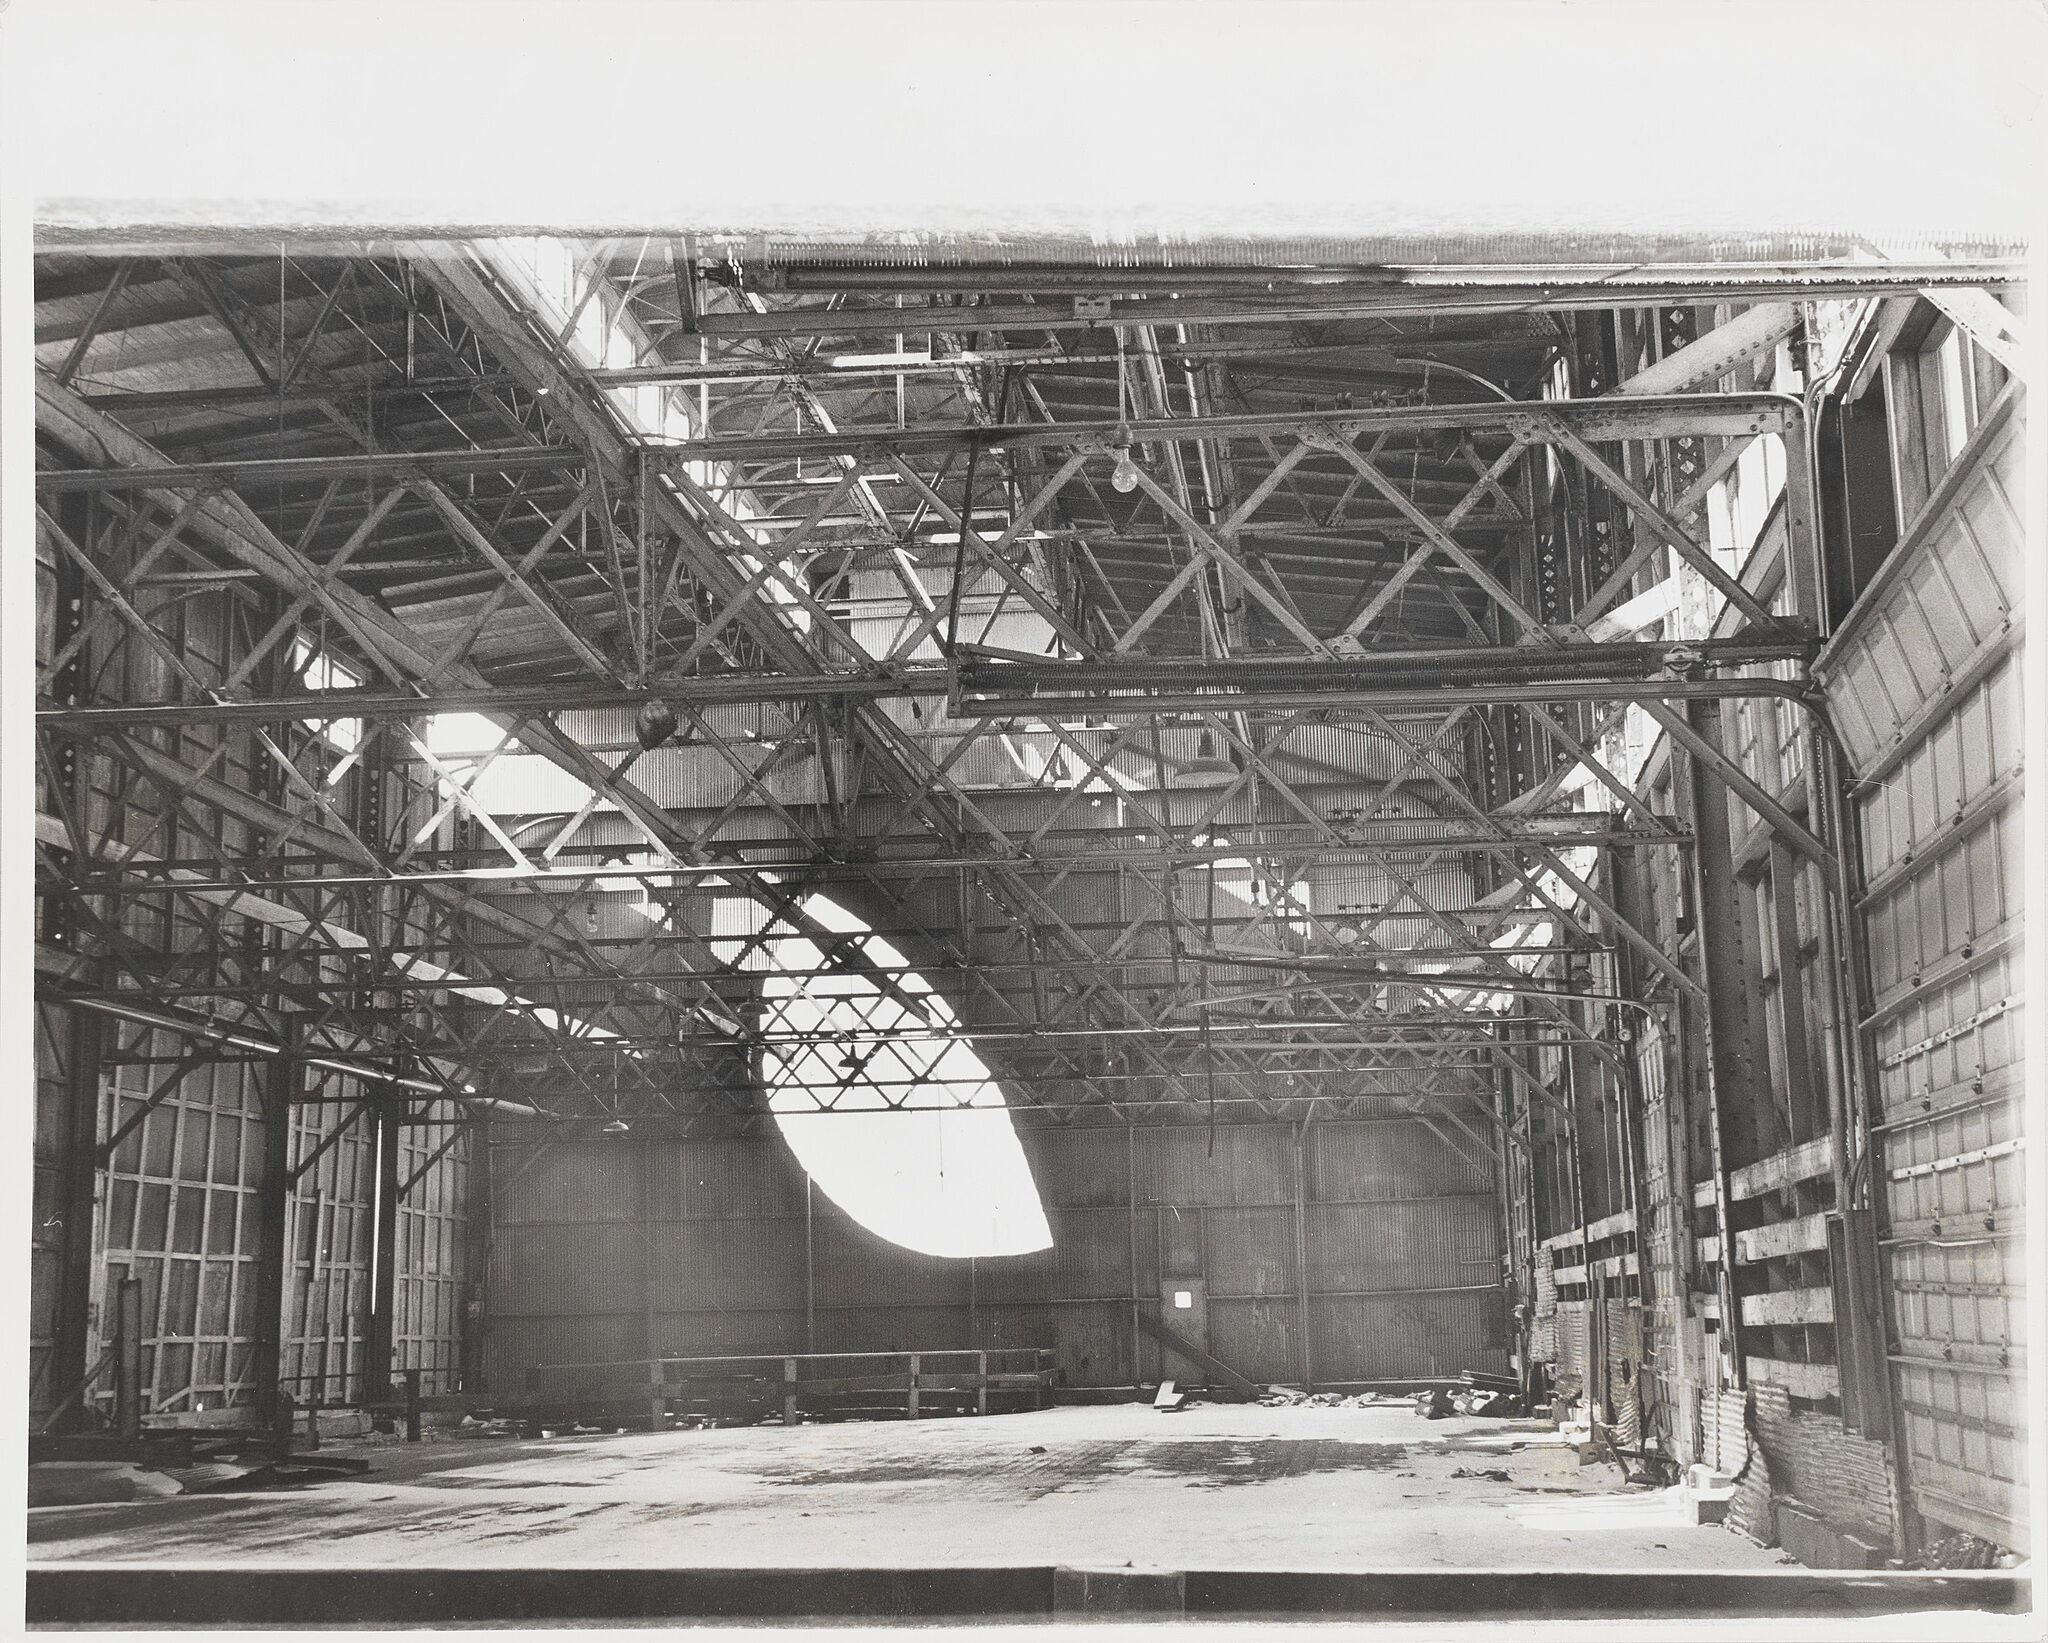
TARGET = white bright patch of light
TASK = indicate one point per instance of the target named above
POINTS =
(942, 1172)
(319, 671)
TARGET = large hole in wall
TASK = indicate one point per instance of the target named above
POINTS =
(881, 1096)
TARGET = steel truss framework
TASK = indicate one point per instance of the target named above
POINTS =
(1236, 589)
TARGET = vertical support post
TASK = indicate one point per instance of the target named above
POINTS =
(810, 1265)
(273, 1193)
(380, 1335)
(68, 1362)
(650, 1345)
(1868, 1386)
(1308, 1368)
(789, 1391)
(913, 1385)
(1131, 1200)
(1736, 1083)
(477, 1255)
(981, 1383)
(412, 1404)
(128, 1358)
(1807, 1119)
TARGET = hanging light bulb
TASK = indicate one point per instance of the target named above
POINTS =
(1125, 477)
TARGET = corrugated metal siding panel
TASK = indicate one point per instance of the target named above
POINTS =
(1385, 1160)
(1445, 1243)
(1248, 1252)
(1261, 1340)
(572, 1185)
(1090, 1258)
(1925, 689)
(715, 1265)
(729, 1239)
(720, 1180)
(727, 1332)
(1087, 1258)
(1248, 1166)
(559, 1269)
(853, 1266)
(1389, 1337)
(1078, 1168)
(870, 1328)
(514, 1345)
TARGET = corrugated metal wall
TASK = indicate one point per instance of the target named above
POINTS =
(717, 1246)
(1923, 682)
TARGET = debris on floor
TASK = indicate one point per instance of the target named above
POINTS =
(1961, 1551)
(93, 1483)
(1433, 1403)
(1289, 1397)
(1493, 1474)
(1169, 1399)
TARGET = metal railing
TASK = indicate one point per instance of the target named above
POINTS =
(909, 1385)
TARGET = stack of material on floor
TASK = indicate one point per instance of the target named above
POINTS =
(1170, 1398)
(1283, 1397)
(1483, 1401)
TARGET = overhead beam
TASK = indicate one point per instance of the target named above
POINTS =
(1660, 416)
(1450, 289)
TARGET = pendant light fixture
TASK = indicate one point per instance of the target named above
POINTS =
(1124, 477)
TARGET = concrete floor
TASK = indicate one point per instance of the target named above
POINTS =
(1215, 1486)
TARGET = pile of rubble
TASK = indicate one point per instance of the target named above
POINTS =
(1479, 1395)
(1282, 1397)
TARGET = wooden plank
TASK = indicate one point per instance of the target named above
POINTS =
(1802, 1380)
(1702, 1194)
(1800, 1163)
(1569, 1275)
(1797, 1237)
(1623, 1221)
(1710, 1251)
(1790, 1306)
(1614, 1266)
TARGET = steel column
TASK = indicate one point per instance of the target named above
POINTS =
(273, 1190)
(379, 1332)
(75, 1283)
